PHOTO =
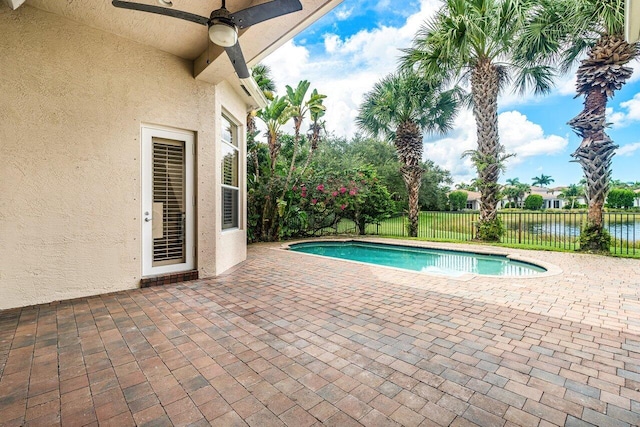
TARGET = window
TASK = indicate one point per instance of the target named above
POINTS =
(469, 205)
(230, 176)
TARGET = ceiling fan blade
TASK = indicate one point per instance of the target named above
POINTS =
(237, 59)
(161, 11)
(265, 11)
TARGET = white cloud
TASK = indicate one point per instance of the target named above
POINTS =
(525, 138)
(349, 67)
(517, 134)
(620, 119)
(344, 13)
(628, 150)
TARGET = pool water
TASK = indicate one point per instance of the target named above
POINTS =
(451, 263)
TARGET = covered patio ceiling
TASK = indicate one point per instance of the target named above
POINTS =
(185, 39)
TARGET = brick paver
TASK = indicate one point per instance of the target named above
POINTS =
(287, 339)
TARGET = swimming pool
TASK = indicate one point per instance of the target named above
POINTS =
(439, 261)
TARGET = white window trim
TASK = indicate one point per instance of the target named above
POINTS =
(235, 137)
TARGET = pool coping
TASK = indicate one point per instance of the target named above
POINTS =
(552, 269)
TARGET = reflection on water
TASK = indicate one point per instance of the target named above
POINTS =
(625, 230)
(451, 263)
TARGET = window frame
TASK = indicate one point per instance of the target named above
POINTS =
(234, 145)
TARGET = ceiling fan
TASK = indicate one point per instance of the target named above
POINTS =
(223, 25)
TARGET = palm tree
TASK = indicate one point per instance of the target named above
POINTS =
(274, 117)
(572, 192)
(517, 190)
(477, 38)
(298, 109)
(542, 180)
(313, 135)
(566, 30)
(262, 75)
(401, 108)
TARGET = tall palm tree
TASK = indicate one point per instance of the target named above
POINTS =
(313, 135)
(274, 117)
(262, 75)
(572, 193)
(477, 39)
(516, 190)
(401, 108)
(298, 108)
(542, 180)
(567, 30)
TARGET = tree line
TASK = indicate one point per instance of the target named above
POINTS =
(485, 46)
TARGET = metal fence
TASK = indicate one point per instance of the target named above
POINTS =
(532, 229)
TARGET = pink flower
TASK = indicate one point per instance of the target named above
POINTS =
(304, 194)
(295, 188)
(353, 192)
(314, 201)
(320, 187)
(343, 206)
(343, 190)
(334, 194)
(303, 188)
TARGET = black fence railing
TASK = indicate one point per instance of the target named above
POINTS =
(530, 229)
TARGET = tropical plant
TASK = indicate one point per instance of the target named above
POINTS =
(467, 186)
(401, 108)
(262, 75)
(541, 180)
(478, 38)
(274, 117)
(298, 108)
(516, 190)
(572, 193)
(566, 30)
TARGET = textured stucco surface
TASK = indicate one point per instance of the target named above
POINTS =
(72, 102)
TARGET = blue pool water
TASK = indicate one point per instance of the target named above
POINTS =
(452, 263)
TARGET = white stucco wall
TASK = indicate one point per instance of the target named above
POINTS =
(72, 100)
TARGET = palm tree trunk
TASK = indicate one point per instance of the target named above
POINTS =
(598, 77)
(408, 142)
(484, 90)
(412, 176)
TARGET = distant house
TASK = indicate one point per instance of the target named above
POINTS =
(473, 200)
(550, 197)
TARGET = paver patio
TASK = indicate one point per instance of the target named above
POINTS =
(291, 339)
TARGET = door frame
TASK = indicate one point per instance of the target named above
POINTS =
(147, 133)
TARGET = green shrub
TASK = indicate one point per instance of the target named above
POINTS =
(533, 202)
(620, 198)
(490, 231)
(594, 239)
(458, 200)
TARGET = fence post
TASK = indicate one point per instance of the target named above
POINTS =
(519, 227)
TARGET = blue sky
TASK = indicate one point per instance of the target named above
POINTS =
(348, 50)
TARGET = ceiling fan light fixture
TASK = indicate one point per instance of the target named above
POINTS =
(223, 32)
